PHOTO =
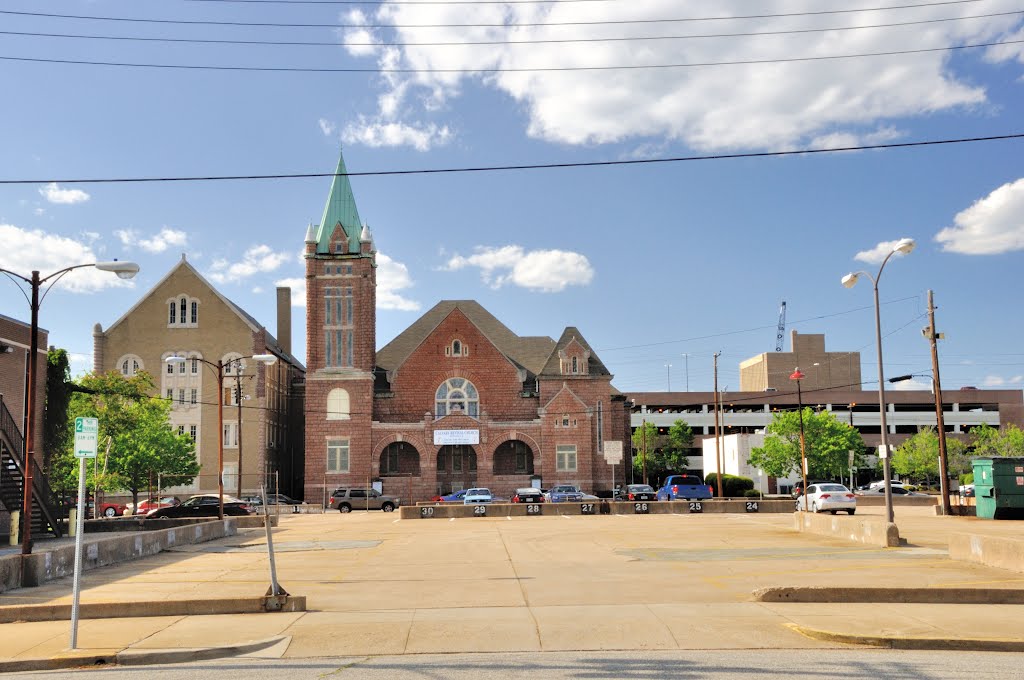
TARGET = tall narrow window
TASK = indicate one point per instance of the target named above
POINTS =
(195, 366)
(173, 319)
(195, 313)
(337, 404)
(195, 396)
(192, 432)
(575, 366)
(456, 348)
(337, 456)
(349, 349)
(348, 307)
(182, 314)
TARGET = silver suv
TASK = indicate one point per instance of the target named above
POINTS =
(347, 500)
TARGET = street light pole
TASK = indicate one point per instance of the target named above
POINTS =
(124, 270)
(798, 376)
(668, 377)
(686, 368)
(904, 247)
(940, 420)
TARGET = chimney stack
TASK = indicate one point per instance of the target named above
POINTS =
(284, 318)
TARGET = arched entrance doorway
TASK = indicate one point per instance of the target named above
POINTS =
(400, 459)
(456, 468)
(513, 457)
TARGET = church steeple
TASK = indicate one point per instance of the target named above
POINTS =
(340, 209)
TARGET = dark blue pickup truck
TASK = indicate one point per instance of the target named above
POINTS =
(689, 487)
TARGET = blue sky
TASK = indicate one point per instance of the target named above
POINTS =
(651, 262)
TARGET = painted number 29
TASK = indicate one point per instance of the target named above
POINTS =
(480, 510)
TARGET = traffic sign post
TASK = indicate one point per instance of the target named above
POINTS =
(86, 443)
(613, 455)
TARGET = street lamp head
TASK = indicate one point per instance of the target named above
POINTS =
(904, 246)
(174, 360)
(265, 358)
(850, 280)
(124, 270)
(797, 375)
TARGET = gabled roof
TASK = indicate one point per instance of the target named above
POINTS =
(528, 353)
(246, 318)
(553, 366)
(340, 208)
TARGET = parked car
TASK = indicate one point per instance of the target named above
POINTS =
(528, 495)
(564, 493)
(897, 490)
(272, 499)
(107, 509)
(202, 505)
(691, 487)
(152, 504)
(828, 497)
(480, 495)
(967, 490)
(640, 492)
(453, 497)
(347, 500)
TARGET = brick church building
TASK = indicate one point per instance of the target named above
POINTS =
(456, 400)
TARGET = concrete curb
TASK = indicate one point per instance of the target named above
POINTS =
(138, 657)
(958, 644)
(891, 595)
(127, 610)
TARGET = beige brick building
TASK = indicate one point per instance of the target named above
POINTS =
(456, 400)
(184, 315)
(770, 371)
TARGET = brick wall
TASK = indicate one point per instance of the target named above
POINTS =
(17, 336)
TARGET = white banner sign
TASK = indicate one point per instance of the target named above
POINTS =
(456, 437)
(613, 452)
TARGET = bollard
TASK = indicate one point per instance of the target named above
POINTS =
(16, 527)
(72, 521)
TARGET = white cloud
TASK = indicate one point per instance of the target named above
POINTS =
(993, 225)
(379, 133)
(39, 211)
(392, 278)
(326, 127)
(750, 106)
(911, 385)
(158, 243)
(79, 364)
(877, 254)
(24, 251)
(54, 194)
(999, 381)
(547, 271)
(257, 259)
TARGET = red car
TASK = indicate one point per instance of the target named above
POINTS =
(156, 504)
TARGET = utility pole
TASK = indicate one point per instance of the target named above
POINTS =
(718, 447)
(686, 368)
(939, 419)
(668, 377)
(238, 405)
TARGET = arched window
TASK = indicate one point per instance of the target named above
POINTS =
(337, 404)
(183, 311)
(129, 365)
(457, 394)
(575, 365)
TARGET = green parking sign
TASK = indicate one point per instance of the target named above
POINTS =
(87, 432)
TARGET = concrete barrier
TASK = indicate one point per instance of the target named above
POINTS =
(139, 523)
(912, 501)
(884, 594)
(993, 551)
(35, 569)
(600, 507)
(122, 610)
(858, 529)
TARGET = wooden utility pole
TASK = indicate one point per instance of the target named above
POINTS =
(643, 447)
(718, 448)
(939, 419)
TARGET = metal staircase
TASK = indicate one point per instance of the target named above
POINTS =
(47, 513)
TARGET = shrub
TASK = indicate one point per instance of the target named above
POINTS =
(752, 493)
(967, 478)
(732, 485)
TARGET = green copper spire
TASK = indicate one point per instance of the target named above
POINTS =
(341, 207)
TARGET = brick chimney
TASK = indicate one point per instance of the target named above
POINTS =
(284, 318)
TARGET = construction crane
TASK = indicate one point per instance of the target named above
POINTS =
(781, 333)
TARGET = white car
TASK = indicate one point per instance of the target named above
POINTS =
(477, 496)
(827, 497)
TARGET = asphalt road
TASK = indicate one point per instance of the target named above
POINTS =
(846, 664)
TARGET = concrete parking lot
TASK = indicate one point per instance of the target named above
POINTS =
(377, 584)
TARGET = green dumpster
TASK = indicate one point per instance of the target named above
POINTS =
(999, 487)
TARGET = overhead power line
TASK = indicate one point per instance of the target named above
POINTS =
(191, 22)
(538, 69)
(537, 166)
(545, 41)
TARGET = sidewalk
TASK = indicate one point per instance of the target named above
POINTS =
(378, 585)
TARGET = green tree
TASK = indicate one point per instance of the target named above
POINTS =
(680, 439)
(918, 457)
(645, 439)
(143, 445)
(828, 442)
(991, 442)
(665, 453)
(58, 395)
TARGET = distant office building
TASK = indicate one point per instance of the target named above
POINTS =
(770, 371)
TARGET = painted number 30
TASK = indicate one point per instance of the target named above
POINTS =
(426, 512)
